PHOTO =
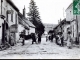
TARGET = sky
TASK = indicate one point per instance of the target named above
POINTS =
(50, 10)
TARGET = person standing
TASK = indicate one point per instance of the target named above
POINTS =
(23, 37)
(23, 42)
(69, 41)
(62, 40)
(52, 37)
(39, 38)
(47, 37)
(33, 37)
(57, 38)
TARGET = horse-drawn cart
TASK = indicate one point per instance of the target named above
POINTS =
(27, 37)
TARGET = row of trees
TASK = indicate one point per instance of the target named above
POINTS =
(34, 17)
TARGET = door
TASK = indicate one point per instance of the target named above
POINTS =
(12, 39)
(3, 40)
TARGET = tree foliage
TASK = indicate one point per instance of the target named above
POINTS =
(34, 17)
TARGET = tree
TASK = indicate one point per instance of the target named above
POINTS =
(34, 17)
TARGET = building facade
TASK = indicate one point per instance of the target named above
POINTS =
(24, 24)
(29, 23)
(32, 28)
(9, 18)
(75, 22)
(62, 27)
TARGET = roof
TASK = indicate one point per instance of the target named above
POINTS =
(12, 4)
(70, 6)
(26, 21)
(29, 23)
(22, 21)
(62, 22)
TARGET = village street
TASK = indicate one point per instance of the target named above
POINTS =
(45, 50)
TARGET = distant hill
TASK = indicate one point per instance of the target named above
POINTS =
(49, 26)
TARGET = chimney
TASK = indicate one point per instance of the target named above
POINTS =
(24, 11)
(58, 21)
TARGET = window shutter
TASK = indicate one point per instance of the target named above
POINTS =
(12, 17)
(16, 18)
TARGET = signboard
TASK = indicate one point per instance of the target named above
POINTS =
(10, 11)
(13, 28)
(76, 7)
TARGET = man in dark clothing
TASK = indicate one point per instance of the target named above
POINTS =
(23, 42)
(62, 40)
(39, 38)
(33, 37)
(57, 39)
(49, 37)
(52, 37)
(23, 38)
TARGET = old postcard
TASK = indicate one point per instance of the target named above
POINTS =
(39, 29)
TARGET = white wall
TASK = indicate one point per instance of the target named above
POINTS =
(9, 7)
(27, 32)
(0, 34)
(0, 7)
(32, 30)
(1, 21)
(70, 17)
(78, 17)
(69, 14)
(6, 6)
(74, 30)
(20, 29)
(3, 7)
(65, 31)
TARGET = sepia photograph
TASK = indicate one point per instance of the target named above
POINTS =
(39, 29)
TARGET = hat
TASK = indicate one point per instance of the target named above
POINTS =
(69, 32)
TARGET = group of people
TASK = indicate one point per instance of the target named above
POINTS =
(59, 39)
(52, 36)
(36, 38)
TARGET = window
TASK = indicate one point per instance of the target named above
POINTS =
(7, 15)
(11, 15)
(16, 18)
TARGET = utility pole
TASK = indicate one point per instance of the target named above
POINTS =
(77, 30)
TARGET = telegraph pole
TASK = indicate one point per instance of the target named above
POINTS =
(77, 30)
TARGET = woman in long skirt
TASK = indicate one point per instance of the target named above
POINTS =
(69, 41)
